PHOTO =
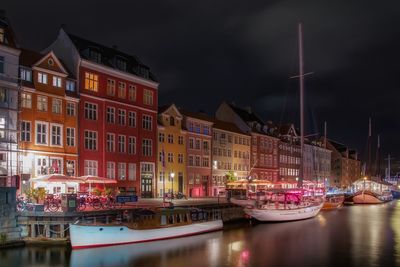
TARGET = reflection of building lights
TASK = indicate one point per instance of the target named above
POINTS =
(245, 255)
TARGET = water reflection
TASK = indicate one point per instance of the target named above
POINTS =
(351, 236)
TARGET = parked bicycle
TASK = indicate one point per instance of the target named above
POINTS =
(24, 205)
(52, 203)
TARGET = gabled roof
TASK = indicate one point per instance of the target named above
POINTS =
(9, 36)
(227, 126)
(246, 115)
(109, 55)
(196, 115)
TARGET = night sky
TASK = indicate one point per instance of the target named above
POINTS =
(204, 52)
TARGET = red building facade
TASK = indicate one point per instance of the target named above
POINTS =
(117, 114)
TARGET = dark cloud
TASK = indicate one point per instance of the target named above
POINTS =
(204, 52)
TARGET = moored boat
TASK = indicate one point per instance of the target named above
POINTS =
(371, 192)
(333, 202)
(395, 193)
(144, 226)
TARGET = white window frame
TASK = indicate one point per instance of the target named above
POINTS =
(71, 109)
(25, 133)
(122, 171)
(91, 167)
(61, 134)
(111, 170)
(46, 133)
(94, 139)
(110, 142)
(121, 143)
(56, 106)
(147, 122)
(131, 171)
(132, 145)
(57, 81)
(26, 100)
(42, 103)
(70, 133)
(42, 77)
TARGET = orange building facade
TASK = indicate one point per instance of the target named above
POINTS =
(48, 125)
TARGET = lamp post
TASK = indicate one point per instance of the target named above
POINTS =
(172, 181)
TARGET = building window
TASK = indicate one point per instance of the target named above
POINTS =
(70, 109)
(206, 130)
(132, 172)
(121, 144)
(56, 135)
(171, 121)
(180, 140)
(132, 145)
(42, 77)
(162, 177)
(121, 90)
(170, 157)
(110, 87)
(71, 167)
(191, 143)
(70, 136)
(26, 131)
(147, 122)
(90, 111)
(110, 142)
(132, 119)
(26, 100)
(57, 106)
(41, 103)
(2, 127)
(170, 138)
(70, 86)
(41, 165)
(121, 170)
(111, 170)
(147, 147)
(198, 144)
(90, 140)
(41, 133)
(132, 93)
(3, 95)
(25, 74)
(206, 162)
(147, 97)
(91, 82)
(206, 145)
(121, 116)
(110, 115)
(191, 160)
(161, 137)
(56, 81)
(121, 64)
(90, 167)
(180, 158)
(197, 161)
(94, 55)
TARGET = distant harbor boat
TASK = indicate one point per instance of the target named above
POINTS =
(146, 225)
(371, 192)
(333, 202)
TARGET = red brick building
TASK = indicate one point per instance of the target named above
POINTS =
(264, 145)
(117, 113)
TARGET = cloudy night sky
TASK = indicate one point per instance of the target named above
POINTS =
(205, 52)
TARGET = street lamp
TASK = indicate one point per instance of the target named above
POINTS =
(172, 181)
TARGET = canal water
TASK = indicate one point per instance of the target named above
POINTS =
(351, 236)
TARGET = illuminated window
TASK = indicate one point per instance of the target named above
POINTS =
(26, 100)
(2, 127)
(26, 131)
(180, 158)
(71, 167)
(41, 103)
(42, 77)
(110, 87)
(25, 74)
(90, 167)
(70, 136)
(70, 86)
(57, 106)
(121, 170)
(161, 137)
(147, 97)
(121, 90)
(132, 93)
(111, 170)
(90, 140)
(91, 81)
(56, 81)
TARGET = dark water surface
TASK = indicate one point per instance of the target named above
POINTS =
(351, 236)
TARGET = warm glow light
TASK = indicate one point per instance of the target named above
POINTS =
(172, 174)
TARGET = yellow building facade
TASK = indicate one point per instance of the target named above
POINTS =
(171, 150)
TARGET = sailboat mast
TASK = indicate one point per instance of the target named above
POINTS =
(368, 168)
(325, 133)
(301, 76)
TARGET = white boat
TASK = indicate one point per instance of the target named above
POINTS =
(242, 202)
(273, 214)
(146, 226)
(371, 192)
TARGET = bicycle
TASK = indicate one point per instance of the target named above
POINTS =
(24, 205)
(52, 203)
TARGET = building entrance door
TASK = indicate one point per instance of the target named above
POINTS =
(180, 183)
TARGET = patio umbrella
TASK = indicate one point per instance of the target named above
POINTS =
(60, 178)
(96, 179)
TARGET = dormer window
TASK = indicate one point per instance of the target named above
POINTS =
(172, 121)
(26, 74)
(144, 72)
(42, 77)
(120, 64)
(94, 55)
(56, 81)
(70, 86)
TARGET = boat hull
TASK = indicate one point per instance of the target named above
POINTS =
(367, 197)
(242, 202)
(87, 236)
(283, 215)
(333, 203)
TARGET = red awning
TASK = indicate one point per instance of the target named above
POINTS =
(97, 180)
(57, 178)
